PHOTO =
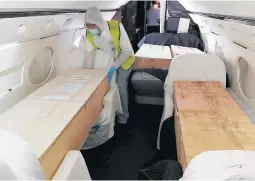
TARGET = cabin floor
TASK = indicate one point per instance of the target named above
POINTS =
(133, 145)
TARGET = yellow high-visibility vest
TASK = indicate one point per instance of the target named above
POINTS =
(114, 28)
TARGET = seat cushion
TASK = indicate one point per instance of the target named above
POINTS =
(145, 84)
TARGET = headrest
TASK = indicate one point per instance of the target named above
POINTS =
(17, 161)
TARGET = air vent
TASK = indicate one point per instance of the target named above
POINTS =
(41, 66)
(246, 78)
(220, 26)
(21, 29)
(49, 23)
(67, 23)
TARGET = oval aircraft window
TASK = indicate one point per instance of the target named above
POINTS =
(246, 78)
(41, 66)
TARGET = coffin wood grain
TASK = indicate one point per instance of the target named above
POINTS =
(209, 119)
(179, 143)
(52, 127)
(153, 56)
(143, 62)
(76, 132)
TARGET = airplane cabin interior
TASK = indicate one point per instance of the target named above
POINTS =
(186, 89)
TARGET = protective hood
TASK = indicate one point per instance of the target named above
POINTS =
(94, 16)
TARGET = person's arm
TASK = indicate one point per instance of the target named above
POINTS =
(126, 49)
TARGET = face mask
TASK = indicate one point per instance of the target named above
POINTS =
(94, 32)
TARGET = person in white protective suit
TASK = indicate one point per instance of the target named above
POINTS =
(110, 37)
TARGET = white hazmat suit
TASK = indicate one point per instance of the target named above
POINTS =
(105, 43)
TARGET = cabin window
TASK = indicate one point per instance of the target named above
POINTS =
(246, 78)
(41, 65)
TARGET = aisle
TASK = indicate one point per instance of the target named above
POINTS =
(132, 145)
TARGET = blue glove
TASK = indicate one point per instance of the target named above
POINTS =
(110, 73)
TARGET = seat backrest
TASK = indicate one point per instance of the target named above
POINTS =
(17, 159)
(73, 167)
(194, 67)
(172, 24)
(152, 29)
(197, 67)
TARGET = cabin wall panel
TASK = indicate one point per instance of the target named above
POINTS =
(223, 45)
(24, 5)
(64, 58)
(223, 7)
(22, 38)
(30, 28)
(22, 29)
(235, 31)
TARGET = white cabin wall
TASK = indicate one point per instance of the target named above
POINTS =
(241, 8)
(46, 5)
(219, 37)
(22, 38)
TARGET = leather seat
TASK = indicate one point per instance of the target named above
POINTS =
(148, 89)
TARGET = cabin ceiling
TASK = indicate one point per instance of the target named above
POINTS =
(35, 5)
(235, 8)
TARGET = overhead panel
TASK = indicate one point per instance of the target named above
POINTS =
(35, 5)
(242, 34)
(237, 8)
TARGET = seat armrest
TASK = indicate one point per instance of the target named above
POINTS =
(73, 167)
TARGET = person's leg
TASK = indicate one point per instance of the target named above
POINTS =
(122, 80)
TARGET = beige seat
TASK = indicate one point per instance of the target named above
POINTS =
(148, 89)
(197, 67)
(73, 167)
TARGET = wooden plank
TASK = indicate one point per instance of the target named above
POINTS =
(142, 62)
(52, 124)
(153, 56)
(75, 133)
(209, 119)
(179, 142)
